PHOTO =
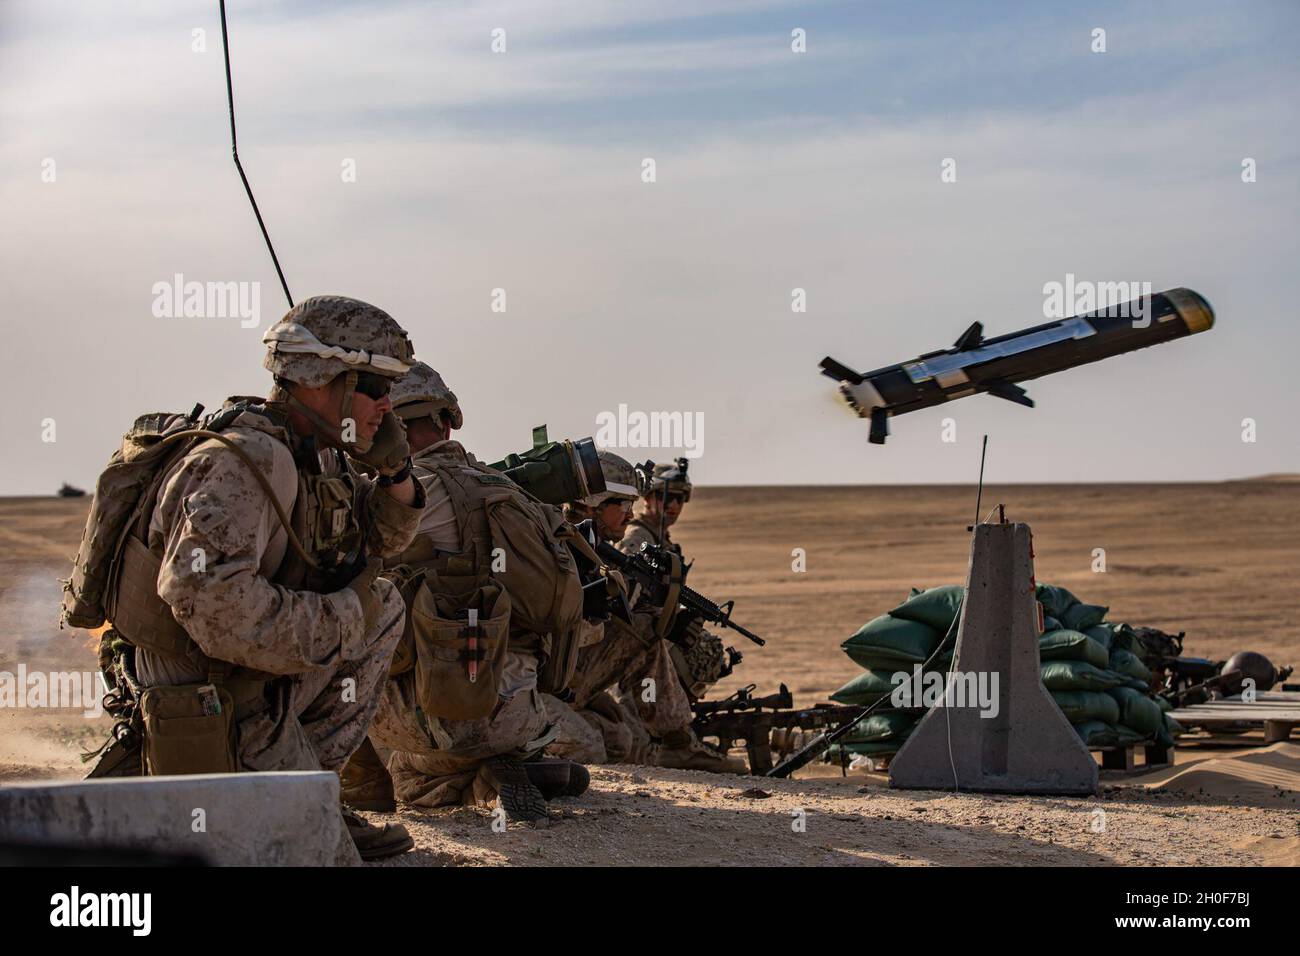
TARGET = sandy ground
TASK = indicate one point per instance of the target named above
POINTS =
(1215, 560)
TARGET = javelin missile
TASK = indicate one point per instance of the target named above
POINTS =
(975, 364)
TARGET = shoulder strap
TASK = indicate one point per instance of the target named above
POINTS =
(470, 536)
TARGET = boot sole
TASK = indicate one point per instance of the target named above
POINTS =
(385, 850)
(520, 798)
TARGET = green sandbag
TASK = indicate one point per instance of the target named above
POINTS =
(1080, 617)
(1055, 600)
(1067, 645)
(1130, 665)
(1082, 705)
(1123, 638)
(867, 688)
(937, 607)
(891, 725)
(1137, 711)
(1173, 727)
(1050, 623)
(1098, 733)
(1077, 675)
(1100, 633)
(888, 643)
(1164, 704)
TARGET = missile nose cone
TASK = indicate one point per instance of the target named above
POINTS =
(1192, 309)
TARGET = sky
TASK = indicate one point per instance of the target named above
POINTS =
(398, 158)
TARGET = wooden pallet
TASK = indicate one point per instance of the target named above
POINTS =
(1277, 713)
(1124, 759)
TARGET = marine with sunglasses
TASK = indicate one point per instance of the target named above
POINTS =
(633, 690)
(265, 616)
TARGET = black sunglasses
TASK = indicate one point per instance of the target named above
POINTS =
(373, 386)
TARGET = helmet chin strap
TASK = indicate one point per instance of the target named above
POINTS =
(358, 446)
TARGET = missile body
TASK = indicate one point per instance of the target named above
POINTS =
(976, 364)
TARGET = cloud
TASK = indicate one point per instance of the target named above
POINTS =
(666, 296)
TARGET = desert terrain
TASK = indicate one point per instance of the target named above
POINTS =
(1217, 560)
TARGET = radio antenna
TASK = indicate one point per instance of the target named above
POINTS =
(979, 494)
(234, 151)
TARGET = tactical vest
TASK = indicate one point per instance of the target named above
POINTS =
(116, 575)
(509, 537)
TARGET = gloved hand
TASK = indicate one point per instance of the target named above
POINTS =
(702, 654)
(389, 450)
(363, 586)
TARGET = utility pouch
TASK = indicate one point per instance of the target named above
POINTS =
(458, 664)
(189, 728)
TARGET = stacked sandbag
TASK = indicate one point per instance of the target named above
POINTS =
(1092, 668)
(892, 643)
(1085, 658)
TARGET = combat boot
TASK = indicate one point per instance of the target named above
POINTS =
(558, 778)
(376, 843)
(682, 750)
(365, 783)
(520, 797)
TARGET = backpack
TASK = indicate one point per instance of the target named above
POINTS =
(509, 541)
(125, 493)
(148, 448)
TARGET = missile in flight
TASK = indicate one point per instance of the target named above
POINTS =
(975, 364)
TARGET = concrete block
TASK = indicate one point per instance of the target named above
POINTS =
(286, 818)
(1028, 746)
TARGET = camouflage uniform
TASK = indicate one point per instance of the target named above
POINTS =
(635, 689)
(445, 764)
(300, 639)
(626, 688)
(436, 761)
(243, 604)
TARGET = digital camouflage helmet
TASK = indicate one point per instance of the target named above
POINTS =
(620, 480)
(669, 475)
(422, 392)
(327, 336)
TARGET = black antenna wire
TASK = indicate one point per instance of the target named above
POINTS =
(979, 495)
(234, 151)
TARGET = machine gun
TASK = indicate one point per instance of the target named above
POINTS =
(1220, 685)
(762, 723)
(1179, 679)
(662, 577)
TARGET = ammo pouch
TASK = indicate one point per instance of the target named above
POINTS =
(189, 728)
(458, 666)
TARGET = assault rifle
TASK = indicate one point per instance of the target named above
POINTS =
(662, 577)
(742, 716)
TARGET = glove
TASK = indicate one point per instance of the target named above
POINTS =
(363, 586)
(698, 655)
(389, 450)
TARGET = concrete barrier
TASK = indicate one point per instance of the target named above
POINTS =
(1029, 746)
(235, 819)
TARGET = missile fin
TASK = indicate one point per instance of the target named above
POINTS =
(1012, 393)
(879, 426)
(971, 338)
(840, 372)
